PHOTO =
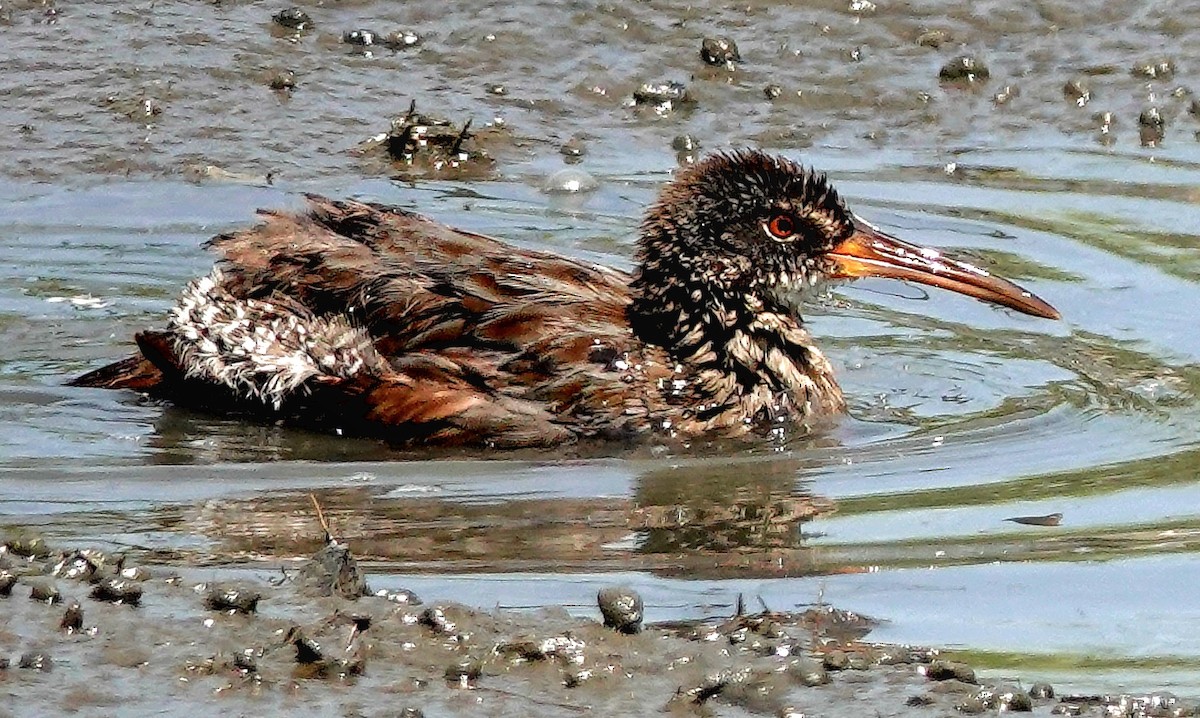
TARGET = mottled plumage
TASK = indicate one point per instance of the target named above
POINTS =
(370, 319)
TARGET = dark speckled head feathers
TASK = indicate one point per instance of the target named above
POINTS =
(739, 220)
(731, 231)
(721, 242)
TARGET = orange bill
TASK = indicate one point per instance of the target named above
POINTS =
(871, 253)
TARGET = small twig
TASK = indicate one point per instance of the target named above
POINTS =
(569, 706)
(321, 517)
(461, 136)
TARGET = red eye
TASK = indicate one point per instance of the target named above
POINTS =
(782, 226)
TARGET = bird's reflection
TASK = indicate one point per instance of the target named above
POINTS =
(717, 517)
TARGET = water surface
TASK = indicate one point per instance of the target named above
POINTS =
(961, 415)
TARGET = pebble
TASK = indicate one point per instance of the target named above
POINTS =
(622, 608)
(932, 38)
(947, 670)
(44, 590)
(232, 599)
(808, 672)
(283, 80)
(361, 38)
(1005, 698)
(719, 51)
(34, 547)
(72, 620)
(1077, 91)
(1041, 691)
(118, 590)
(37, 661)
(964, 68)
(1151, 127)
(772, 91)
(401, 39)
(1161, 69)
(836, 660)
(293, 18)
(435, 618)
(402, 596)
(573, 147)
(464, 672)
(662, 93)
(1006, 94)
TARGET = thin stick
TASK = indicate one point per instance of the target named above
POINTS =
(570, 706)
(321, 517)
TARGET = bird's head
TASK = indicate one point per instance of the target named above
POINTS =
(746, 223)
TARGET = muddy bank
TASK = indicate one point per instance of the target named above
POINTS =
(255, 91)
(84, 631)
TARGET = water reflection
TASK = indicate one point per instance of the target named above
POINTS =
(730, 520)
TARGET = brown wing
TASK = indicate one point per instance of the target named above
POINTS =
(484, 342)
(416, 283)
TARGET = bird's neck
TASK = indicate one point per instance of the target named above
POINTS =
(747, 349)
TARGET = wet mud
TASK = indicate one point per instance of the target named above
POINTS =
(260, 89)
(86, 631)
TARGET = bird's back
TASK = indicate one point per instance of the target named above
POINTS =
(370, 318)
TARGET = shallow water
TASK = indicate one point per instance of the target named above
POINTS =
(961, 415)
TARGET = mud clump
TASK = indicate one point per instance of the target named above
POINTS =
(426, 146)
(333, 571)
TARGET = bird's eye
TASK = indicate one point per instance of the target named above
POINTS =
(781, 227)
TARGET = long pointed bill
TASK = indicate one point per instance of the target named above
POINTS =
(871, 253)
